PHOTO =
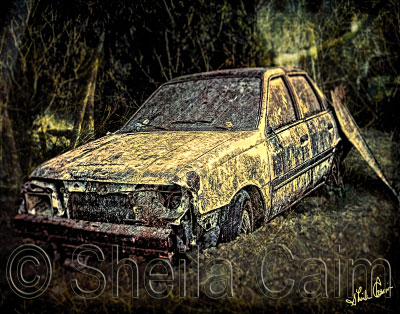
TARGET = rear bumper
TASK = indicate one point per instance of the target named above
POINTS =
(70, 233)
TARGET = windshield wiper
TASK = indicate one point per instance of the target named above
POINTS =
(190, 121)
(140, 126)
(201, 121)
(222, 127)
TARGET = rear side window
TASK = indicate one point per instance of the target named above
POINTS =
(280, 110)
(309, 103)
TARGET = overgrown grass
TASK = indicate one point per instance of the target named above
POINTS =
(363, 222)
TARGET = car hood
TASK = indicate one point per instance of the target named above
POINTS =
(151, 157)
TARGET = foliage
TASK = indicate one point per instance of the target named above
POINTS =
(363, 224)
(146, 43)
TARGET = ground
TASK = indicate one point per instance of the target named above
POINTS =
(328, 228)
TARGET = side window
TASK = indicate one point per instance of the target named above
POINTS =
(280, 110)
(309, 103)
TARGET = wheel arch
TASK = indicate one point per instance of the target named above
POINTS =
(259, 203)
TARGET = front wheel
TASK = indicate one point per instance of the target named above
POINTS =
(240, 218)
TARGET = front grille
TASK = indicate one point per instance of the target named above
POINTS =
(112, 208)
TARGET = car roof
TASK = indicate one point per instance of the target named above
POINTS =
(239, 72)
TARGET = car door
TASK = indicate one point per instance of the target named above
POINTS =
(289, 146)
(320, 122)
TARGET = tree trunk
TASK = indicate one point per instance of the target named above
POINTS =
(9, 49)
(87, 109)
(13, 170)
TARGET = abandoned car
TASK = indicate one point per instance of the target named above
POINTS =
(207, 157)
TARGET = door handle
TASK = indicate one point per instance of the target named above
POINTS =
(303, 138)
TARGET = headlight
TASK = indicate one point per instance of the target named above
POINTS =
(170, 196)
(157, 203)
(41, 198)
(38, 204)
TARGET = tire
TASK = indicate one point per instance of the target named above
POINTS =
(335, 178)
(334, 188)
(240, 217)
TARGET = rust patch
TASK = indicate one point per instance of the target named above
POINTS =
(67, 232)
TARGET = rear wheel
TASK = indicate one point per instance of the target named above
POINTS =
(335, 178)
(240, 217)
(334, 183)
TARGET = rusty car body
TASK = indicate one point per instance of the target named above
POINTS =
(207, 157)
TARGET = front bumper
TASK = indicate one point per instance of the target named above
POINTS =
(70, 233)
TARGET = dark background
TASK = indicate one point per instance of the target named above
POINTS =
(49, 49)
(52, 51)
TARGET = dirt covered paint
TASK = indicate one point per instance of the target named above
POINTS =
(153, 157)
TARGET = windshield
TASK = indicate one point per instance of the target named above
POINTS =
(205, 104)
